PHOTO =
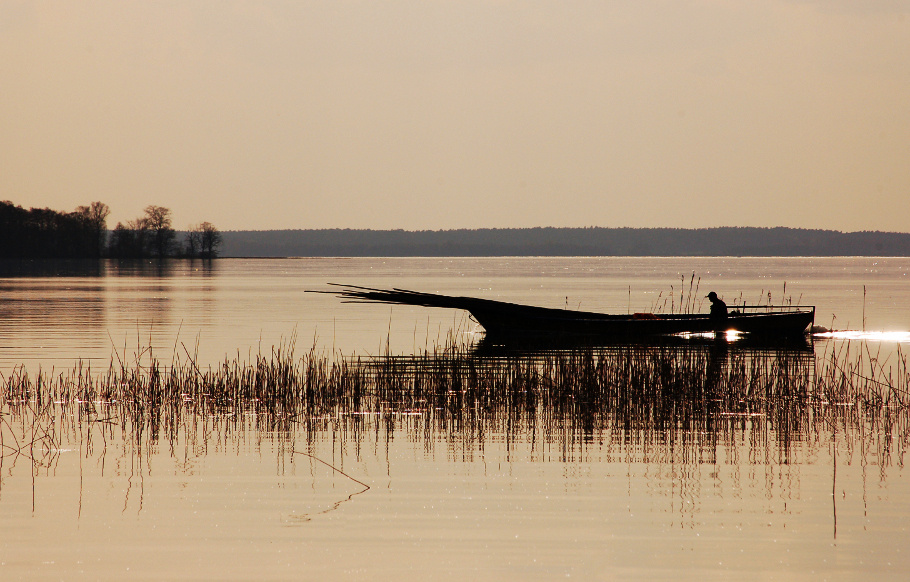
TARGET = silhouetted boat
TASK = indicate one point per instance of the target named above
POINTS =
(503, 321)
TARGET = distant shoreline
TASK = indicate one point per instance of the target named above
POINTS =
(565, 242)
(340, 257)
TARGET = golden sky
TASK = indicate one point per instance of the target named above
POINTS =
(440, 114)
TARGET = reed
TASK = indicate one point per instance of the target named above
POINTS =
(576, 393)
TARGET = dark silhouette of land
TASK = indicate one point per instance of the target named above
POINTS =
(83, 233)
(45, 233)
(42, 233)
(725, 241)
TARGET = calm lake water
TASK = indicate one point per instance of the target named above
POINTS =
(53, 314)
(513, 494)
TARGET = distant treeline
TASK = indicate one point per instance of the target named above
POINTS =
(725, 241)
(45, 233)
(83, 233)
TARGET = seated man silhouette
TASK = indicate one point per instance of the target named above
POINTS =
(718, 312)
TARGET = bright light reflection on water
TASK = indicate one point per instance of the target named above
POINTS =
(731, 335)
(872, 336)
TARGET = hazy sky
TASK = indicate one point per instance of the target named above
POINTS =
(435, 114)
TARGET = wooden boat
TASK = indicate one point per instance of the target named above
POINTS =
(503, 320)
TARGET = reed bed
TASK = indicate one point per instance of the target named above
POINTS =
(636, 392)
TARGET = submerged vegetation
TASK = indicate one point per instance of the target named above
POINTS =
(631, 394)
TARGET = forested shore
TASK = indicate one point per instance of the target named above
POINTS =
(42, 233)
(723, 241)
(83, 233)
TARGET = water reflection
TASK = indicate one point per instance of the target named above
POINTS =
(23, 268)
(872, 336)
(58, 312)
(684, 422)
(41, 321)
(484, 346)
(635, 443)
(70, 268)
(160, 268)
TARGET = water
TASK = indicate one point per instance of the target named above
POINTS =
(248, 305)
(504, 493)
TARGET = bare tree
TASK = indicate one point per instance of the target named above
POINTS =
(158, 222)
(96, 213)
(193, 241)
(211, 240)
(95, 219)
(208, 238)
(203, 241)
(130, 240)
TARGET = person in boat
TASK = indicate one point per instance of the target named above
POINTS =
(718, 311)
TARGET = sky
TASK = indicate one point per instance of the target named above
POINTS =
(436, 114)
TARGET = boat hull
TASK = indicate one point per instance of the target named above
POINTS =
(542, 323)
(504, 320)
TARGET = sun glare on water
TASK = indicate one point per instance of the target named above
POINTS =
(877, 336)
(731, 335)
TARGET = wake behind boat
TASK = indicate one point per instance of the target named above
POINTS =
(503, 320)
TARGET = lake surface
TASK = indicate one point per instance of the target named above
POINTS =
(55, 313)
(495, 493)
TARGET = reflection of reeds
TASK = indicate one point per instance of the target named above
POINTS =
(639, 392)
(666, 406)
(285, 388)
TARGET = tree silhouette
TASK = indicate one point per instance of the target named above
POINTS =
(211, 240)
(46, 233)
(203, 241)
(130, 240)
(158, 222)
(94, 219)
(193, 242)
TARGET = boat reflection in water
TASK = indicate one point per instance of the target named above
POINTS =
(734, 340)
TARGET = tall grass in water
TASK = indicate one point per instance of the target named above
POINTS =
(638, 392)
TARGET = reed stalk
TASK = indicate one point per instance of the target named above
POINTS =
(575, 393)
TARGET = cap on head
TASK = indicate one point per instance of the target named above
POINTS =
(712, 295)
